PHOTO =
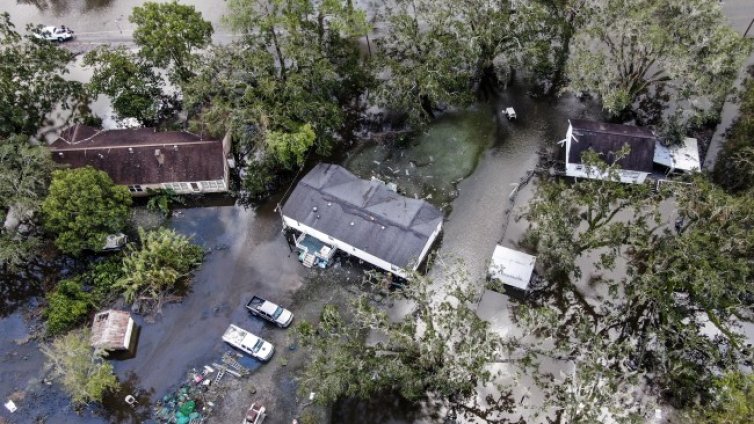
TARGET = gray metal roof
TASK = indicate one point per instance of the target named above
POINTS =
(385, 224)
(607, 139)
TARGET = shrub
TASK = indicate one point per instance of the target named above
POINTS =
(67, 306)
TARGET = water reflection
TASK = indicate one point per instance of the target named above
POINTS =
(59, 7)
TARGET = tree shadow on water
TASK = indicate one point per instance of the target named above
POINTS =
(117, 410)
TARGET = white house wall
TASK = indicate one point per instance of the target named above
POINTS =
(379, 263)
(577, 170)
(430, 241)
(214, 186)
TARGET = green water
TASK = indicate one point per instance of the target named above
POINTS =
(432, 163)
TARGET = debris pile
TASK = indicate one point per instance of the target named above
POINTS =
(192, 402)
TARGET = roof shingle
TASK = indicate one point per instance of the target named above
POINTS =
(385, 224)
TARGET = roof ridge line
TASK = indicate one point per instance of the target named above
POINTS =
(181, 143)
(319, 190)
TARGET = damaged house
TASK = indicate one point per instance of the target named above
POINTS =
(332, 209)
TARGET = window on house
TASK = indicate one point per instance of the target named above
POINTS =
(135, 188)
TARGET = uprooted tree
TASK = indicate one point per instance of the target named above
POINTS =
(156, 267)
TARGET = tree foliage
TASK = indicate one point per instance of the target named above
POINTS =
(31, 81)
(734, 397)
(442, 347)
(630, 49)
(163, 200)
(83, 207)
(155, 268)
(675, 282)
(734, 169)
(297, 67)
(24, 175)
(81, 371)
(67, 305)
(290, 148)
(132, 84)
(435, 53)
(168, 33)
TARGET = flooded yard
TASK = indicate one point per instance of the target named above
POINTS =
(470, 163)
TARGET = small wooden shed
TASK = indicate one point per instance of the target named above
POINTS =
(112, 330)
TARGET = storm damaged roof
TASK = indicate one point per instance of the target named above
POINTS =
(364, 214)
(141, 155)
(607, 139)
(111, 330)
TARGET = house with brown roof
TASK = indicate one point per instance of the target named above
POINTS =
(144, 158)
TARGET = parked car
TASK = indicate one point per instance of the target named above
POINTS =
(255, 414)
(248, 343)
(53, 33)
(270, 311)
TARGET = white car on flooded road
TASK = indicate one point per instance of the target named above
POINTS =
(53, 33)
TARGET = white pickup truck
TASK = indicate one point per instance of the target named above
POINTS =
(248, 343)
(269, 311)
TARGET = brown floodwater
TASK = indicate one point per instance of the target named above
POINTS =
(247, 253)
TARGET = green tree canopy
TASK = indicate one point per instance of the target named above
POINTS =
(630, 49)
(675, 282)
(156, 267)
(168, 34)
(24, 175)
(442, 348)
(436, 52)
(81, 371)
(31, 81)
(734, 168)
(67, 305)
(133, 86)
(83, 207)
(298, 64)
(733, 404)
(290, 148)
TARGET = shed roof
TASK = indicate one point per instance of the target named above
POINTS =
(683, 157)
(141, 155)
(111, 330)
(607, 139)
(512, 267)
(365, 214)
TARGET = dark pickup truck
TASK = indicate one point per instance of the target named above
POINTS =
(270, 311)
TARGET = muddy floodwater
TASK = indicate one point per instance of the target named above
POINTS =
(467, 161)
(470, 163)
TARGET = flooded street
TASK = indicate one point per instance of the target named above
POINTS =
(470, 163)
(101, 21)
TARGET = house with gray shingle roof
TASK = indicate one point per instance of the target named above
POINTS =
(362, 218)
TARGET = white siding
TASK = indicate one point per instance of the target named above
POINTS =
(578, 170)
(582, 171)
(379, 263)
